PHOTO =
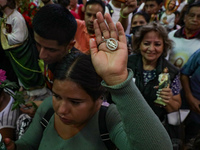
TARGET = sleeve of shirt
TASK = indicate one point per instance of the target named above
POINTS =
(192, 64)
(140, 127)
(32, 137)
(176, 85)
(19, 33)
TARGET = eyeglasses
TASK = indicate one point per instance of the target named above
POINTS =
(192, 15)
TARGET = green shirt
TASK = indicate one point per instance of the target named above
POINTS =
(131, 124)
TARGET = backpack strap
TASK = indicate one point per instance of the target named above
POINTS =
(45, 120)
(111, 11)
(103, 129)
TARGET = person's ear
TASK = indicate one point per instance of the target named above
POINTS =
(71, 44)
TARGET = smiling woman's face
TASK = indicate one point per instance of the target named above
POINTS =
(72, 104)
(151, 47)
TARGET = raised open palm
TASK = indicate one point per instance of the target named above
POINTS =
(111, 65)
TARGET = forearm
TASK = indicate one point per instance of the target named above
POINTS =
(141, 125)
(124, 22)
(186, 86)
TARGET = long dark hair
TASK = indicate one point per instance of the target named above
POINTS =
(79, 69)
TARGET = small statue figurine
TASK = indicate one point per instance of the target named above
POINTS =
(164, 81)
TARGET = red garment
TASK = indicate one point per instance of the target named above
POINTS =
(192, 36)
(75, 14)
(78, 10)
(48, 77)
(29, 13)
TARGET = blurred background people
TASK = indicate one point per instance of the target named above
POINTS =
(77, 8)
(167, 18)
(85, 29)
(152, 8)
(187, 38)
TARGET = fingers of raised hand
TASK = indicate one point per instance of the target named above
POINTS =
(121, 34)
(111, 27)
(102, 29)
(131, 3)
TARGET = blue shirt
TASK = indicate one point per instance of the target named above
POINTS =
(192, 70)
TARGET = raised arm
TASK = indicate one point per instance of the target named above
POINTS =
(140, 127)
(110, 65)
(126, 9)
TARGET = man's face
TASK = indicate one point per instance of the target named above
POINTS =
(192, 19)
(49, 50)
(90, 16)
(151, 7)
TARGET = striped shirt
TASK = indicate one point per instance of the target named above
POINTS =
(8, 117)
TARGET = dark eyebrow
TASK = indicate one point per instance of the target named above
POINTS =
(45, 47)
(69, 98)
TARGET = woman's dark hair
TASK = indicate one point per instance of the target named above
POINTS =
(55, 22)
(100, 2)
(141, 13)
(158, 28)
(78, 68)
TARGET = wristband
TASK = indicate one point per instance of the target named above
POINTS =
(123, 15)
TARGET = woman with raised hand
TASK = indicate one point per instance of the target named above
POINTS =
(76, 100)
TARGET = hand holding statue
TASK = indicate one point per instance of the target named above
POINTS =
(164, 92)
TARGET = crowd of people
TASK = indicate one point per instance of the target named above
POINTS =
(63, 62)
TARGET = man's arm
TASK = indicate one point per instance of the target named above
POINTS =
(193, 102)
(126, 9)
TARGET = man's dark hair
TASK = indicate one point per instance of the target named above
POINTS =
(100, 2)
(142, 13)
(157, 1)
(195, 4)
(64, 3)
(55, 22)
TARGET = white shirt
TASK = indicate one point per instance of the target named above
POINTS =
(8, 117)
(19, 31)
(116, 16)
